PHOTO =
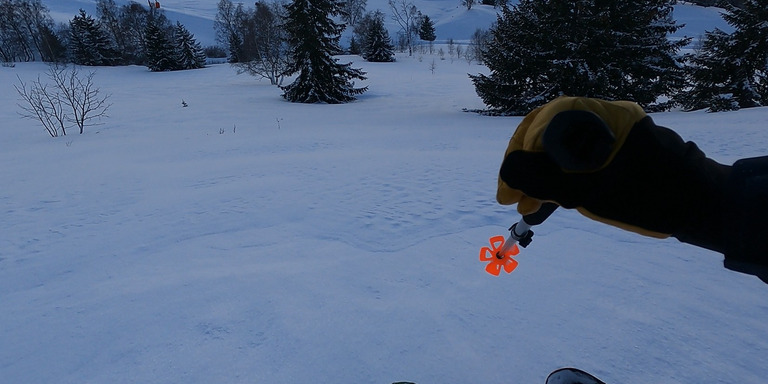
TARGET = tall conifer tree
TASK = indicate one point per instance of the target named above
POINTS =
(89, 44)
(427, 29)
(541, 49)
(730, 71)
(314, 37)
(189, 53)
(376, 45)
(160, 52)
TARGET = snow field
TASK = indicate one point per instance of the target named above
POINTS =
(244, 239)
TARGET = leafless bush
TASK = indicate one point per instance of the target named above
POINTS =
(44, 105)
(72, 100)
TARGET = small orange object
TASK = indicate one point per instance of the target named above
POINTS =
(496, 259)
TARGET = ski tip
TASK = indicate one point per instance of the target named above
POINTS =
(570, 375)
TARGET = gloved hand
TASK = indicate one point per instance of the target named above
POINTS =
(576, 143)
(654, 183)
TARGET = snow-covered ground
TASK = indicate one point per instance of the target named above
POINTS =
(245, 239)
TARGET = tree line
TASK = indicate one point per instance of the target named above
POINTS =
(537, 50)
(118, 35)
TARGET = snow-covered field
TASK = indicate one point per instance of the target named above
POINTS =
(245, 239)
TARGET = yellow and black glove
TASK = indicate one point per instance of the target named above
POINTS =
(611, 162)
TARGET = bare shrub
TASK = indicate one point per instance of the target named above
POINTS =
(72, 100)
(44, 105)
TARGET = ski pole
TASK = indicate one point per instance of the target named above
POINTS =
(519, 232)
(499, 254)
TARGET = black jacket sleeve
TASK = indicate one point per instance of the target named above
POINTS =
(746, 224)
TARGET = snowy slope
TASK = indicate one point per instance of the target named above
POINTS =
(244, 239)
(197, 16)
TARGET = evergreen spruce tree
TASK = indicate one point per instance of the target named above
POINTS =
(540, 50)
(354, 46)
(53, 48)
(314, 37)
(427, 29)
(189, 53)
(761, 85)
(650, 65)
(160, 52)
(377, 45)
(235, 44)
(730, 70)
(88, 44)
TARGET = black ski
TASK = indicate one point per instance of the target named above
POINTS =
(560, 376)
(572, 376)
